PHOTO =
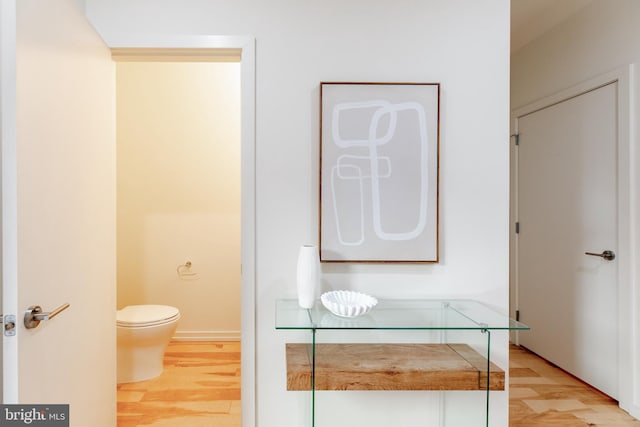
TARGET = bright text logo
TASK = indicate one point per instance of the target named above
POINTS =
(35, 415)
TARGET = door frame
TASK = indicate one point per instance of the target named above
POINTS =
(9, 206)
(246, 45)
(627, 218)
(185, 48)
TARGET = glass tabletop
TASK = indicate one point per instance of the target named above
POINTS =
(398, 314)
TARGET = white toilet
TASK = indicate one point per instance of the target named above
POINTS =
(144, 331)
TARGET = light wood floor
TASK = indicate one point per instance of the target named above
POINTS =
(200, 387)
(542, 395)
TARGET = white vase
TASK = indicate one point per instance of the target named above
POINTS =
(308, 275)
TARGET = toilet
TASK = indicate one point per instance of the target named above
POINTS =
(144, 331)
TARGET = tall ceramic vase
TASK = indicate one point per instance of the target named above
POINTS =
(308, 275)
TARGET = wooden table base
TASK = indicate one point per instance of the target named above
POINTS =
(390, 367)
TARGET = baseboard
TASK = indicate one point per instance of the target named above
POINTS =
(632, 410)
(207, 336)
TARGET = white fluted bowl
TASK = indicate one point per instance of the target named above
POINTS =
(348, 303)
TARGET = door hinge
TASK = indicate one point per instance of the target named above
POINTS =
(517, 315)
(517, 138)
(517, 228)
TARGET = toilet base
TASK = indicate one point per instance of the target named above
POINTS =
(141, 352)
(139, 364)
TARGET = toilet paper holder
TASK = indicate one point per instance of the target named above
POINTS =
(185, 273)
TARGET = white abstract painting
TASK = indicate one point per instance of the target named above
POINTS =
(379, 172)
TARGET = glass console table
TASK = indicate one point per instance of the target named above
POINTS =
(438, 364)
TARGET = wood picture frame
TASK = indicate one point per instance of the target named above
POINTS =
(379, 172)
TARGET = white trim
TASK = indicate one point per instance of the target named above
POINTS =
(248, 143)
(207, 336)
(179, 41)
(628, 350)
(248, 309)
(9, 195)
(633, 407)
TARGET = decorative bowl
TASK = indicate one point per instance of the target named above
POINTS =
(348, 303)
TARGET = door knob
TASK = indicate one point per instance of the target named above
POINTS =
(34, 315)
(608, 255)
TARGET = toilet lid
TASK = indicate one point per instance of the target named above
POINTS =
(146, 315)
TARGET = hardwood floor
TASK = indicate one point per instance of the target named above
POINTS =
(541, 394)
(200, 387)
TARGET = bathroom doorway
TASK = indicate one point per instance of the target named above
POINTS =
(179, 201)
(73, 141)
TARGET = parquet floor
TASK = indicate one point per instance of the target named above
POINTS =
(542, 395)
(200, 387)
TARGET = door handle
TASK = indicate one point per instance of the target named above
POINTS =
(608, 255)
(34, 315)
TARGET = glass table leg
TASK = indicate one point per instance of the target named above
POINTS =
(488, 332)
(313, 378)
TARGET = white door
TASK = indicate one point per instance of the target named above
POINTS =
(59, 210)
(567, 206)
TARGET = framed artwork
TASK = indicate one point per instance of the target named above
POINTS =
(379, 149)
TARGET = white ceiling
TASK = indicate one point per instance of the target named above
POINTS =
(532, 18)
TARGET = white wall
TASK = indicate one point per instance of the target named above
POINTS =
(66, 210)
(464, 45)
(178, 145)
(601, 38)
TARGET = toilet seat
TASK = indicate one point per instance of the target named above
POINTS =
(138, 316)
